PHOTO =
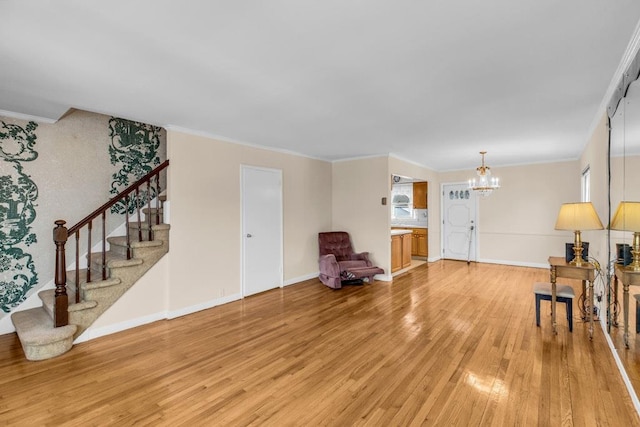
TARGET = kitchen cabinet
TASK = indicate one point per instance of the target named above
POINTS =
(400, 251)
(396, 253)
(406, 250)
(419, 240)
(420, 195)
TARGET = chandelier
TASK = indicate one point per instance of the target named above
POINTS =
(484, 184)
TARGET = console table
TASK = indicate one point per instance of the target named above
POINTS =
(628, 278)
(561, 268)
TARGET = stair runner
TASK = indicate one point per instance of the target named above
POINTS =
(40, 340)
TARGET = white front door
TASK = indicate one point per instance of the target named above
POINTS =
(459, 231)
(261, 229)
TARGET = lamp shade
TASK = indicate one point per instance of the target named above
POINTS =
(627, 217)
(578, 216)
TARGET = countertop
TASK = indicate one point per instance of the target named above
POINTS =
(398, 232)
(409, 226)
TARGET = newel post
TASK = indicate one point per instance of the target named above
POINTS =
(61, 302)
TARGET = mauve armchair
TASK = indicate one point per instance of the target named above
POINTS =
(338, 262)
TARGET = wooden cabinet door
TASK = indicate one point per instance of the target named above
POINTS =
(396, 253)
(414, 243)
(420, 195)
(406, 250)
(423, 248)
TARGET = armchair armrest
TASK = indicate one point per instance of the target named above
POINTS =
(329, 265)
(363, 256)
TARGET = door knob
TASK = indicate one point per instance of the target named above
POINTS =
(249, 235)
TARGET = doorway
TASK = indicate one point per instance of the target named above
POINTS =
(409, 223)
(459, 222)
(261, 229)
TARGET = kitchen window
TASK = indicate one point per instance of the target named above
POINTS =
(401, 201)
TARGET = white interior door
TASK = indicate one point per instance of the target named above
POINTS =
(261, 229)
(459, 231)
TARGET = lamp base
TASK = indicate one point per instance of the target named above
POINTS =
(577, 255)
(635, 264)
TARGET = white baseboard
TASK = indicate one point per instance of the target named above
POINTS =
(434, 259)
(93, 333)
(514, 263)
(203, 306)
(300, 279)
(623, 372)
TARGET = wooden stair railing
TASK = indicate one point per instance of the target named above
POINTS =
(61, 235)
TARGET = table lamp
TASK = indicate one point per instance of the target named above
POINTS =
(577, 217)
(627, 218)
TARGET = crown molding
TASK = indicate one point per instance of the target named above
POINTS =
(221, 138)
(629, 54)
(27, 117)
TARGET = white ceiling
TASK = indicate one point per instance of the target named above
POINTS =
(433, 82)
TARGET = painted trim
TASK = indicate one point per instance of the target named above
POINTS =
(514, 263)
(93, 333)
(628, 56)
(623, 372)
(371, 156)
(412, 162)
(221, 138)
(203, 306)
(27, 117)
(299, 279)
(513, 165)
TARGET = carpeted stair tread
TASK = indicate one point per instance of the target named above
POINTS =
(114, 260)
(154, 211)
(145, 226)
(96, 280)
(122, 241)
(48, 297)
(39, 339)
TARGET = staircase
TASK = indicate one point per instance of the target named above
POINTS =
(114, 271)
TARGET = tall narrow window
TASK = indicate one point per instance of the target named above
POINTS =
(586, 185)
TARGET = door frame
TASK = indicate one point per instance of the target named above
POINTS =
(243, 167)
(475, 235)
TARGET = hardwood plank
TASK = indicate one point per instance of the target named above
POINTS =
(445, 344)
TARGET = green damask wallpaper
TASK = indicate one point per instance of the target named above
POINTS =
(134, 148)
(76, 165)
(17, 211)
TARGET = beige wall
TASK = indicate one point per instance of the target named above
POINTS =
(404, 168)
(516, 223)
(358, 188)
(205, 200)
(594, 156)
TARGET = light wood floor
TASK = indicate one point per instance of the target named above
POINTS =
(444, 344)
(630, 357)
